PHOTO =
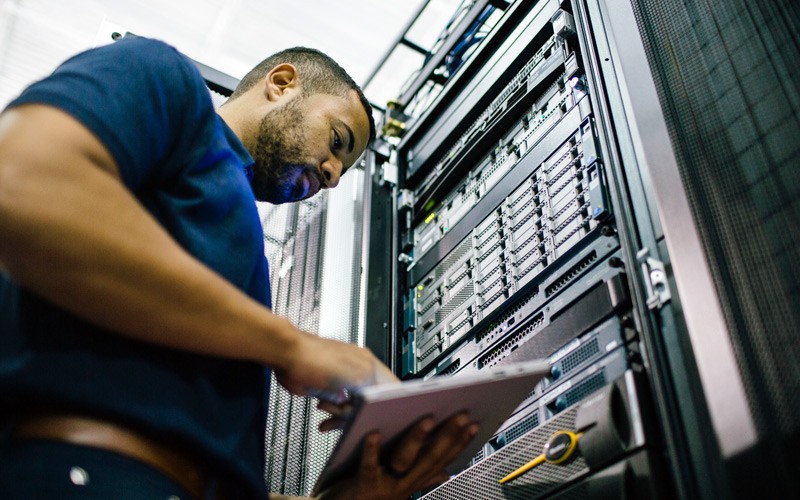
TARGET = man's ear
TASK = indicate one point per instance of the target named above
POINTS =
(281, 79)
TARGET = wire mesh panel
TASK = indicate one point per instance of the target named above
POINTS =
(314, 252)
(288, 229)
(725, 75)
(481, 480)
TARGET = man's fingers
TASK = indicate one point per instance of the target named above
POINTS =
(406, 452)
(455, 438)
(339, 414)
(336, 410)
(332, 424)
(458, 437)
(416, 463)
(370, 457)
(443, 446)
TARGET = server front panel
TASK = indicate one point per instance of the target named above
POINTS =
(508, 249)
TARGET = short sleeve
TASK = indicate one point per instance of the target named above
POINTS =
(140, 97)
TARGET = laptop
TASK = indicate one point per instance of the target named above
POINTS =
(489, 396)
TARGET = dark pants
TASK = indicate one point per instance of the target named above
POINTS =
(51, 470)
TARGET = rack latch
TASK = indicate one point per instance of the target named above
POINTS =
(655, 278)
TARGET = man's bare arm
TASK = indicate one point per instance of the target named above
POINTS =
(71, 232)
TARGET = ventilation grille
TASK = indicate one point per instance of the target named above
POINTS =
(500, 325)
(580, 355)
(571, 274)
(579, 392)
(525, 425)
(506, 346)
(454, 366)
(480, 481)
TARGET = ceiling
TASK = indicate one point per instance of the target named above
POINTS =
(228, 35)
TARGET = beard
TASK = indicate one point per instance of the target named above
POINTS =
(279, 170)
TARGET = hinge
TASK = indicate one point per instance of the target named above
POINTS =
(405, 199)
(389, 174)
(405, 258)
(655, 278)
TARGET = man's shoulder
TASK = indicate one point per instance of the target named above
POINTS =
(136, 51)
(157, 69)
(146, 84)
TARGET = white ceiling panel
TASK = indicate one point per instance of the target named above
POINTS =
(229, 35)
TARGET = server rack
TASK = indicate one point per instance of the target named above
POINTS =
(541, 206)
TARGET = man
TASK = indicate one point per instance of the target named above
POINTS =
(134, 297)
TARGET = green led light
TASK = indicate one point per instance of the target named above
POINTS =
(429, 218)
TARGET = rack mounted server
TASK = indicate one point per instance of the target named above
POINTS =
(537, 211)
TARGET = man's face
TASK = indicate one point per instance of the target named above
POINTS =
(306, 145)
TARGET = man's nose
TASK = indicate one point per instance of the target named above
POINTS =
(331, 171)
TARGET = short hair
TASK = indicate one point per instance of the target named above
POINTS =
(318, 73)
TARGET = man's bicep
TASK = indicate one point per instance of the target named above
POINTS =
(36, 138)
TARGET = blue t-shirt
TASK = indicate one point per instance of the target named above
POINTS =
(150, 107)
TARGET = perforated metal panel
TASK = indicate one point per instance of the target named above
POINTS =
(521, 428)
(315, 283)
(481, 480)
(726, 78)
(290, 233)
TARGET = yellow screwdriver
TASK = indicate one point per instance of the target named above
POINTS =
(558, 448)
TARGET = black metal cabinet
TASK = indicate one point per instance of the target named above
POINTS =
(546, 205)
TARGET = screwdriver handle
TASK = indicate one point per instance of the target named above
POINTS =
(525, 468)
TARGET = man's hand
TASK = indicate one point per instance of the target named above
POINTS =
(416, 463)
(318, 364)
(326, 369)
(339, 413)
